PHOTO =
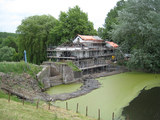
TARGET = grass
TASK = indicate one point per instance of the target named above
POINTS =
(20, 67)
(69, 63)
(13, 97)
(74, 67)
(40, 84)
(14, 110)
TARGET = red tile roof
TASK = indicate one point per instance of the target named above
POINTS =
(85, 37)
(112, 44)
(89, 37)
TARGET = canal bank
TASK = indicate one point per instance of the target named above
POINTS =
(116, 92)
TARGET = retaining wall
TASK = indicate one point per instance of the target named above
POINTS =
(44, 75)
(58, 73)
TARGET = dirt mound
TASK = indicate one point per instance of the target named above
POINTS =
(22, 84)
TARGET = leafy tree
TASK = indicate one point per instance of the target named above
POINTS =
(1, 41)
(33, 37)
(10, 42)
(17, 57)
(100, 32)
(138, 29)
(6, 53)
(112, 18)
(74, 22)
(5, 35)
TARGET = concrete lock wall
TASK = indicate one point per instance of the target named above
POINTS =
(59, 73)
(43, 76)
(69, 75)
(56, 80)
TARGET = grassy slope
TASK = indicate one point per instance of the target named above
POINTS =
(15, 109)
(20, 67)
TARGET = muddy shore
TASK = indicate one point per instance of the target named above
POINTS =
(24, 85)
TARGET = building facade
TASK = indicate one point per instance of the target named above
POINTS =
(89, 53)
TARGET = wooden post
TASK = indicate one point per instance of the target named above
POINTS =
(66, 105)
(98, 114)
(9, 96)
(113, 116)
(49, 106)
(127, 117)
(77, 108)
(23, 99)
(86, 110)
(37, 103)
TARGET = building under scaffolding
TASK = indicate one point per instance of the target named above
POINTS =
(89, 53)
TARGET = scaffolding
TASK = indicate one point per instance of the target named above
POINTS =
(90, 57)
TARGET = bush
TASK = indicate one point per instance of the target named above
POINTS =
(6, 53)
(17, 57)
(74, 67)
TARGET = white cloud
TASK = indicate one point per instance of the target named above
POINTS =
(13, 11)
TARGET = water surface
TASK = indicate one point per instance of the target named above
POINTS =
(64, 88)
(117, 92)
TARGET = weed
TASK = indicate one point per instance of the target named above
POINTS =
(50, 60)
(40, 84)
(20, 67)
(0, 78)
(74, 67)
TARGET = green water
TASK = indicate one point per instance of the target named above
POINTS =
(116, 92)
(64, 88)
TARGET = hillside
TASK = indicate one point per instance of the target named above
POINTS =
(16, 111)
(19, 78)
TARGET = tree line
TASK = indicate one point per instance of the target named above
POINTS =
(37, 32)
(133, 24)
(8, 47)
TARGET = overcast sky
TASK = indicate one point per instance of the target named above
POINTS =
(13, 11)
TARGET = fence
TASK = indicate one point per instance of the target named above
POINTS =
(99, 117)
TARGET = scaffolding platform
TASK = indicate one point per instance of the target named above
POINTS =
(95, 66)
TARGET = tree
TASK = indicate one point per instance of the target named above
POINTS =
(138, 29)
(17, 57)
(34, 33)
(111, 19)
(10, 42)
(6, 53)
(74, 22)
(5, 35)
(1, 41)
(100, 32)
